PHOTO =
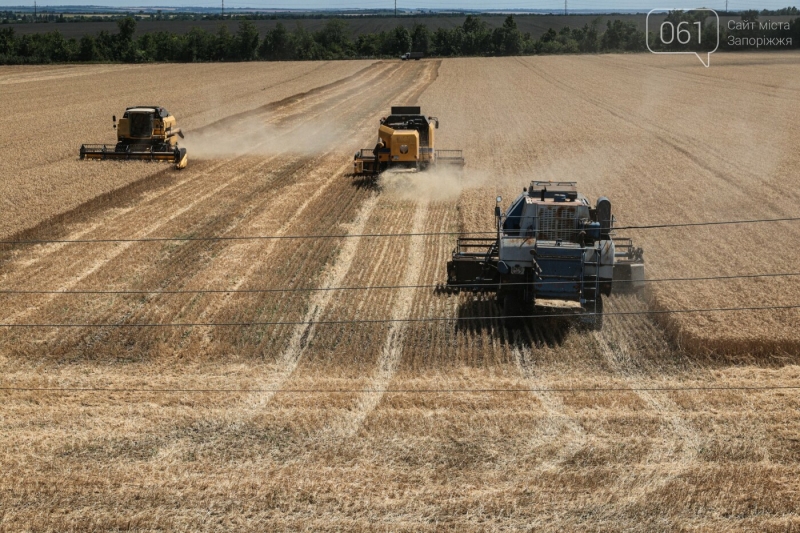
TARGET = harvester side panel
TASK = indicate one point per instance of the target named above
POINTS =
(474, 264)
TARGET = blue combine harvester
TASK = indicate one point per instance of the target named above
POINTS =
(553, 251)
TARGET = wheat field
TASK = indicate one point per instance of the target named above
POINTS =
(654, 423)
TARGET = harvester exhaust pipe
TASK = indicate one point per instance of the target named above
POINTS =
(604, 216)
(498, 215)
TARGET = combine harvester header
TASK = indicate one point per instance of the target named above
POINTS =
(406, 140)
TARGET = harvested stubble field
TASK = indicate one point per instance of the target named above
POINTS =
(358, 426)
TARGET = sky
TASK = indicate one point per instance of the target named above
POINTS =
(510, 5)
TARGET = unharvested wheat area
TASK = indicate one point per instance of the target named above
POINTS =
(364, 426)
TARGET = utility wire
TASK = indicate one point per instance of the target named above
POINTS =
(378, 287)
(373, 235)
(401, 391)
(392, 320)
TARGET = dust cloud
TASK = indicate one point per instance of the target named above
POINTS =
(253, 136)
(438, 183)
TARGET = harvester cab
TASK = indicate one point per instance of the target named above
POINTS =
(552, 250)
(145, 133)
(406, 140)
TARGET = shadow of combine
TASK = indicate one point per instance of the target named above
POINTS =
(480, 314)
(365, 183)
(658, 337)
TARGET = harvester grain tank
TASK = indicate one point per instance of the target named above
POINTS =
(552, 250)
(144, 133)
(406, 140)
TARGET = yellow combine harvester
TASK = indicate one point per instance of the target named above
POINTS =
(405, 140)
(145, 133)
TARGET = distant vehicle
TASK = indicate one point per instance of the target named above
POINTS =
(416, 56)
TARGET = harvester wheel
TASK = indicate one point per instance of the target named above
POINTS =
(512, 305)
(592, 318)
(594, 321)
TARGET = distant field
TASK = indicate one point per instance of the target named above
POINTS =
(536, 25)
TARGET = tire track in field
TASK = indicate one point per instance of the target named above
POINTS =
(117, 249)
(172, 271)
(303, 334)
(318, 304)
(682, 449)
(427, 344)
(265, 252)
(614, 344)
(328, 214)
(60, 73)
(393, 345)
(559, 420)
(179, 259)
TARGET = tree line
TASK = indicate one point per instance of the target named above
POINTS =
(472, 38)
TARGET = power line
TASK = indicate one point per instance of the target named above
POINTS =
(373, 235)
(721, 223)
(401, 391)
(392, 320)
(377, 287)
